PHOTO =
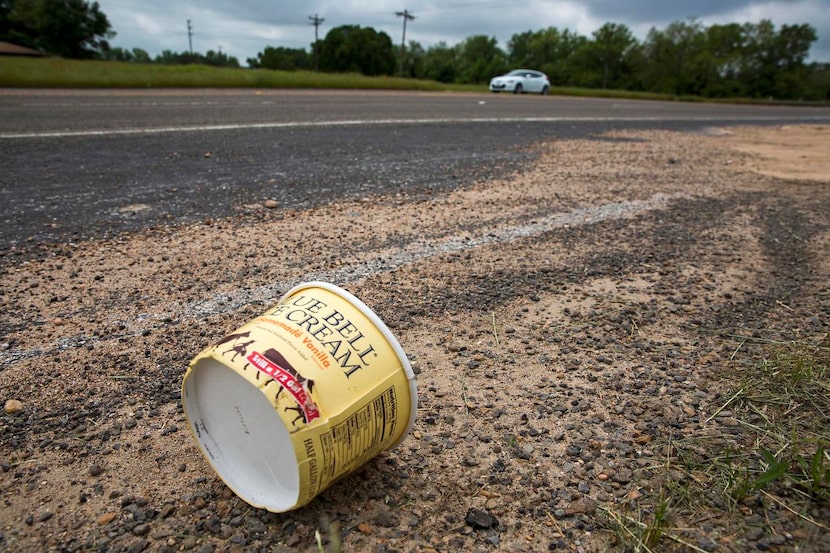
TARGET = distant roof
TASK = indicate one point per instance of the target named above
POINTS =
(9, 49)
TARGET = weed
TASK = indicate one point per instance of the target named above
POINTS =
(777, 450)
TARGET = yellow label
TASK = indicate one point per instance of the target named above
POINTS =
(335, 381)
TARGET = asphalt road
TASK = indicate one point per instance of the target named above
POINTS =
(84, 164)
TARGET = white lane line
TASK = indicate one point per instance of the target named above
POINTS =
(381, 122)
(382, 262)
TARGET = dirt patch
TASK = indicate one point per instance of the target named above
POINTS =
(786, 152)
(570, 327)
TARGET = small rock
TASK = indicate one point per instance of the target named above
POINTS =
(480, 519)
(141, 529)
(364, 528)
(271, 203)
(105, 519)
(493, 538)
(13, 406)
(96, 470)
(623, 476)
(138, 546)
(525, 451)
(386, 519)
(583, 506)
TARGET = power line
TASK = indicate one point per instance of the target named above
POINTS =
(407, 16)
(316, 21)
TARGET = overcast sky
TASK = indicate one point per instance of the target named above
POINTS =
(243, 28)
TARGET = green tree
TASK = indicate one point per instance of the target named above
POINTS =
(818, 84)
(774, 62)
(67, 28)
(566, 61)
(480, 59)
(550, 50)
(725, 49)
(141, 56)
(280, 58)
(610, 51)
(413, 60)
(118, 54)
(675, 59)
(441, 63)
(5, 22)
(216, 59)
(219, 59)
(136, 55)
(518, 50)
(351, 48)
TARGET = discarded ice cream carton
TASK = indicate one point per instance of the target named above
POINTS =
(299, 397)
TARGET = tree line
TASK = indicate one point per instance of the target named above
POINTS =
(686, 58)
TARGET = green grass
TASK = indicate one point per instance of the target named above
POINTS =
(59, 73)
(778, 460)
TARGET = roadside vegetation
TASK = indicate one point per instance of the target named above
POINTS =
(775, 459)
(60, 73)
(57, 73)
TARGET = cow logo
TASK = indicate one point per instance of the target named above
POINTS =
(275, 365)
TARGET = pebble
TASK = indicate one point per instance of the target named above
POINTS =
(141, 529)
(13, 406)
(386, 519)
(138, 546)
(271, 203)
(583, 506)
(480, 519)
(106, 518)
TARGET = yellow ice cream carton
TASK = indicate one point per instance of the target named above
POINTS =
(299, 397)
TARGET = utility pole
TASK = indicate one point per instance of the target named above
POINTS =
(407, 15)
(190, 37)
(316, 21)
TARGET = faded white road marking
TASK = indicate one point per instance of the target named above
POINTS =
(413, 252)
(386, 122)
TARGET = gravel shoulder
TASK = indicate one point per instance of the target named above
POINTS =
(578, 330)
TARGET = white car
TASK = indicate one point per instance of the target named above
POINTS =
(520, 81)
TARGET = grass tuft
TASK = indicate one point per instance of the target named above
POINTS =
(773, 457)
